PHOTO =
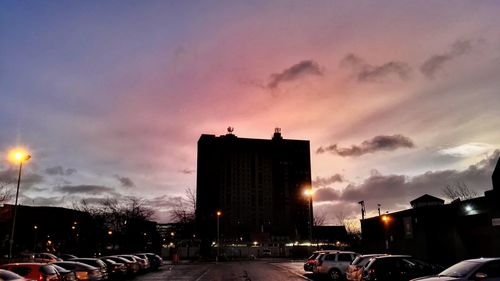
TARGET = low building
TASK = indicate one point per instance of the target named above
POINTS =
(438, 232)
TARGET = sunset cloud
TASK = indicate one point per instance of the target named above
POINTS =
(365, 72)
(60, 171)
(124, 181)
(297, 71)
(437, 62)
(378, 143)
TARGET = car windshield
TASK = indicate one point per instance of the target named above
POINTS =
(313, 256)
(361, 261)
(460, 269)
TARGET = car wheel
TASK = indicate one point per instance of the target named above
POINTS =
(334, 274)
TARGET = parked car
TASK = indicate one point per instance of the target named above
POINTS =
(143, 263)
(487, 269)
(33, 271)
(334, 263)
(116, 270)
(96, 263)
(66, 257)
(83, 272)
(311, 261)
(45, 257)
(7, 275)
(354, 271)
(397, 268)
(64, 274)
(155, 261)
(132, 265)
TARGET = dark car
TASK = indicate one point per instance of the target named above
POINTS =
(83, 272)
(397, 268)
(67, 257)
(311, 261)
(7, 275)
(354, 271)
(116, 270)
(96, 263)
(487, 269)
(155, 261)
(132, 265)
(143, 263)
(33, 271)
(64, 274)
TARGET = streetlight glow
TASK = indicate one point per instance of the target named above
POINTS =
(17, 155)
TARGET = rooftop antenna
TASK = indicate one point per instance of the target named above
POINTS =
(230, 130)
(378, 208)
(362, 203)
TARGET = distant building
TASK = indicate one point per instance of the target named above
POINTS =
(257, 185)
(438, 232)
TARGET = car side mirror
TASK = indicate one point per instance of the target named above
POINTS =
(480, 276)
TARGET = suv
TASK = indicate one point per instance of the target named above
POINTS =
(311, 260)
(34, 271)
(334, 263)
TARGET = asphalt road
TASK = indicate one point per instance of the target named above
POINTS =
(230, 271)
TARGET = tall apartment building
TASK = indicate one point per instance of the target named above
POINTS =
(258, 186)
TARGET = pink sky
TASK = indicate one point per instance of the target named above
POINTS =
(115, 95)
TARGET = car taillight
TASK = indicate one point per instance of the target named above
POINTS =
(82, 275)
(41, 278)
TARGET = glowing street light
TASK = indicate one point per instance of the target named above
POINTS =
(17, 155)
(309, 192)
(219, 213)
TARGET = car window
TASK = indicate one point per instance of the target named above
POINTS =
(48, 269)
(491, 269)
(313, 256)
(330, 257)
(345, 257)
(21, 270)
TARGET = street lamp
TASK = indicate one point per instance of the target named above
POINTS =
(309, 192)
(17, 156)
(219, 213)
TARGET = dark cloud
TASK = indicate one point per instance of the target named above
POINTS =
(365, 72)
(299, 70)
(378, 143)
(378, 73)
(395, 192)
(187, 171)
(436, 62)
(326, 194)
(125, 181)
(87, 189)
(327, 181)
(28, 179)
(58, 170)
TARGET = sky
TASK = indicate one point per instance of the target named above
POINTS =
(397, 98)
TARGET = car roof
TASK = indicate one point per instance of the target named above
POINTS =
(484, 259)
(25, 264)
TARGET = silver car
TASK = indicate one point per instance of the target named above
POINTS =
(484, 269)
(334, 263)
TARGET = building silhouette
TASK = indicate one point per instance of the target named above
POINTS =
(439, 232)
(257, 185)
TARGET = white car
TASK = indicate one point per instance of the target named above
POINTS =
(484, 269)
(334, 264)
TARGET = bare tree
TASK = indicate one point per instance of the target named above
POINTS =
(319, 218)
(351, 224)
(459, 190)
(5, 192)
(184, 211)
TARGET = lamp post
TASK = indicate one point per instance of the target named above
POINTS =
(219, 213)
(309, 193)
(20, 156)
